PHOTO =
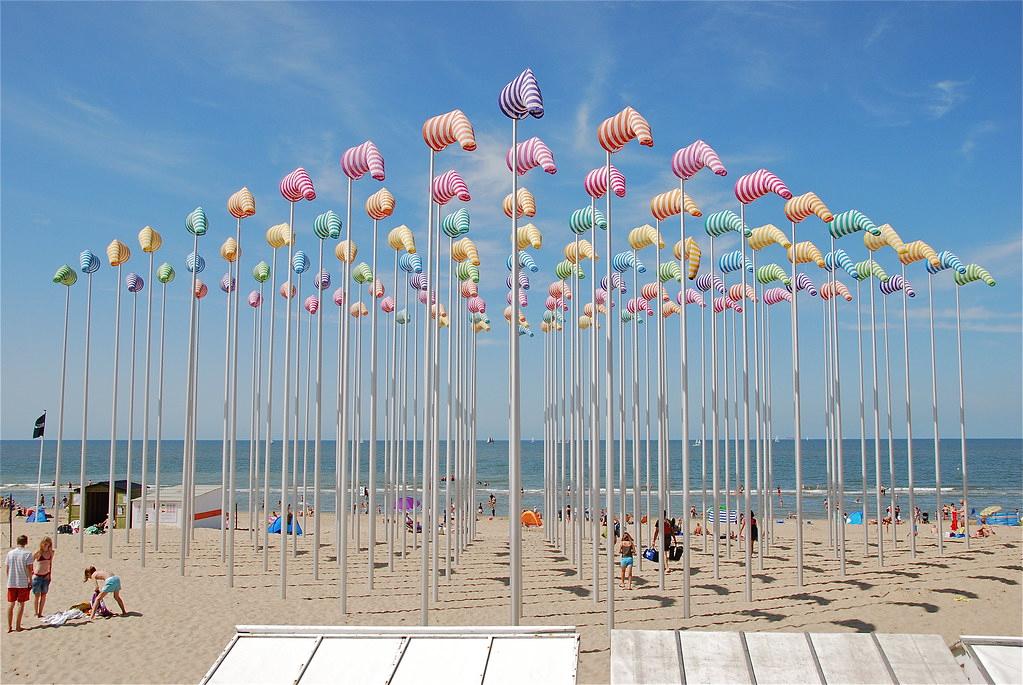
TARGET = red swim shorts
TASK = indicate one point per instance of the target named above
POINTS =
(17, 594)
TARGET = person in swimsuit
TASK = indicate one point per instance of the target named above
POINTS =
(627, 548)
(664, 530)
(106, 583)
(42, 569)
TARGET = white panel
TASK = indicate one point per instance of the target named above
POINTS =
(364, 660)
(263, 660)
(451, 660)
(850, 658)
(713, 657)
(546, 660)
(644, 656)
(920, 659)
(781, 659)
(1003, 663)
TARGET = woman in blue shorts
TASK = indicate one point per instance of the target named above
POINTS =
(627, 548)
(106, 583)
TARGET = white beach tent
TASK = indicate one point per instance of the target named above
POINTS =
(308, 655)
(207, 507)
(704, 657)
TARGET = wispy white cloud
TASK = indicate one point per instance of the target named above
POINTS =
(974, 135)
(103, 139)
(883, 25)
(591, 96)
(897, 106)
(945, 95)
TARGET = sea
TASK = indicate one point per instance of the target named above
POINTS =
(995, 470)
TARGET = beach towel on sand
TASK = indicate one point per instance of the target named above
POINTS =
(63, 617)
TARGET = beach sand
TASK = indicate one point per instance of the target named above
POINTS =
(177, 626)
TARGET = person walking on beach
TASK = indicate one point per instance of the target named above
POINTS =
(627, 548)
(666, 532)
(42, 569)
(493, 506)
(19, 571)
(754, 532)
(111, 584)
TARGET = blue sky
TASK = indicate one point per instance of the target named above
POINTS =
(116, 116)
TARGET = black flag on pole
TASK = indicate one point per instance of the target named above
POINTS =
(40, 427)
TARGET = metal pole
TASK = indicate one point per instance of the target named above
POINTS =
(145, 419)
(85, 417)
(797, 418)
(934, 414)
(111, 520)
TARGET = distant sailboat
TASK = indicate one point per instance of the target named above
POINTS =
(490, 441)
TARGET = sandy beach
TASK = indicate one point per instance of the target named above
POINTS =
(177, 625)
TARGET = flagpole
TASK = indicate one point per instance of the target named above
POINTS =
(429, 530)
(39, 473)
(224, 447)
(343, 507)
(715, 465)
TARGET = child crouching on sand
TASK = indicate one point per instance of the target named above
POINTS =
(111, 584)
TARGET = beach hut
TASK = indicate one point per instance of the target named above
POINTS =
(207, 507)
(97, 499)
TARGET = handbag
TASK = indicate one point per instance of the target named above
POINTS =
(650, 554)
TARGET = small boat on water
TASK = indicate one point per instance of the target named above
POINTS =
(490, 441)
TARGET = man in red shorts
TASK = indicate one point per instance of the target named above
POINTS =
(19, 574)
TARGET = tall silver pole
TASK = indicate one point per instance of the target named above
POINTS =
(159, 419)
(515, 435)
(318, 420)
(85, 415)
(863, 427)
(145, 419)
(285, 436)
(233, 452)
(343, 507)
(225, 443)
(909, 417)
(429, 523)
(269, 403)
(747, 510)
(131, 416)
(877, 418)
(609, 427)
(715, 446)
(962, 422)
(934, 415)
(797, 418)
(111, 520)
(595, 413)
(372, 457)
(684, 378)
(60, 418)
(189, 415)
